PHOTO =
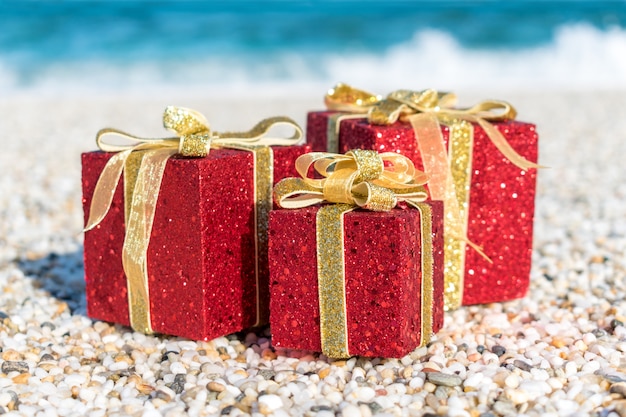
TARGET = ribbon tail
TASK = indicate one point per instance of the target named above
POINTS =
(137, 239)
(105, 189)
(434, 155)
(437, 165)
(441, 186)
(478, 249)
(503, 145)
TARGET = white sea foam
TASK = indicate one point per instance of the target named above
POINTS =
(580, 57)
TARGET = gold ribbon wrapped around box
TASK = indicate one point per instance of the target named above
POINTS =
(143, 164)
(358, 179)
(450, 169)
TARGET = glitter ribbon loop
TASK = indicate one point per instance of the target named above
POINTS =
(360, 178)
(143, 161)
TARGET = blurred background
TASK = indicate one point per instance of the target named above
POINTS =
(257, 47)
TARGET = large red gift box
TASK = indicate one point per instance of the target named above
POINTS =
(501, 198)
(384, 285)
(201, 254)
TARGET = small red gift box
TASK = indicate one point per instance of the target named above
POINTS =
(494, 196)
(201, 256)
(347, 282)
(384, 285)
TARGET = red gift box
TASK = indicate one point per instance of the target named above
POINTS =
(384, 285)
(201, 252)
(500, 199)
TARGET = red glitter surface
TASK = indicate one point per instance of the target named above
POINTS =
(502, 198)
(201, 252)
(383, 280)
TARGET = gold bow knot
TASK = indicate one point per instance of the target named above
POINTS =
(360, 178)
(143, 161)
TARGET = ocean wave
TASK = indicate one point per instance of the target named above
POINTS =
(580, 57)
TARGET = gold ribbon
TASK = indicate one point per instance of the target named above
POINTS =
(364, 179)
(449, 170)
(143, 162)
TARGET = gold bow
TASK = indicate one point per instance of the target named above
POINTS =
(194, 139)
(360, 178)
(411, 106)
(449, 175)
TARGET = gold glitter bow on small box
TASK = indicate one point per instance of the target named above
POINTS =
(143, 163)
(450, 169)
(359, 179)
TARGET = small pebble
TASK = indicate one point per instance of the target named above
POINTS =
(512, 381)
(215, 386)
(266, 373)
(618, 388)
(318, 408)
(269, 403)
(439, 378)
(46, 357)
(498, 350)
(374, 407)
(504, 408)
(443, 392)
(524, 366)
(351, 411)
(14, 366)
(620, 407)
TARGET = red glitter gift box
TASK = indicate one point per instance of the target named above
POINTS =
(384, 286)
(201, 252)
(496, 198)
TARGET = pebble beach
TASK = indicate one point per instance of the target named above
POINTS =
(560, 351)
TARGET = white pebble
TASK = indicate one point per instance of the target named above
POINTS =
(351, 411)
(334, 397)
(74, 380)
(269, 403)
(512, 381)
(178, 368)
(555, 383)
(87, 394)
(5, 399)
(517, 396)
(365, 394)
(457, 406)
(570, 368)
(473, 380)
(591, 367)
(416, 383)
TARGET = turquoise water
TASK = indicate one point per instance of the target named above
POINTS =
(121, 43)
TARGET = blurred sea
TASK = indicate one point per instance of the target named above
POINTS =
(237, 45)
